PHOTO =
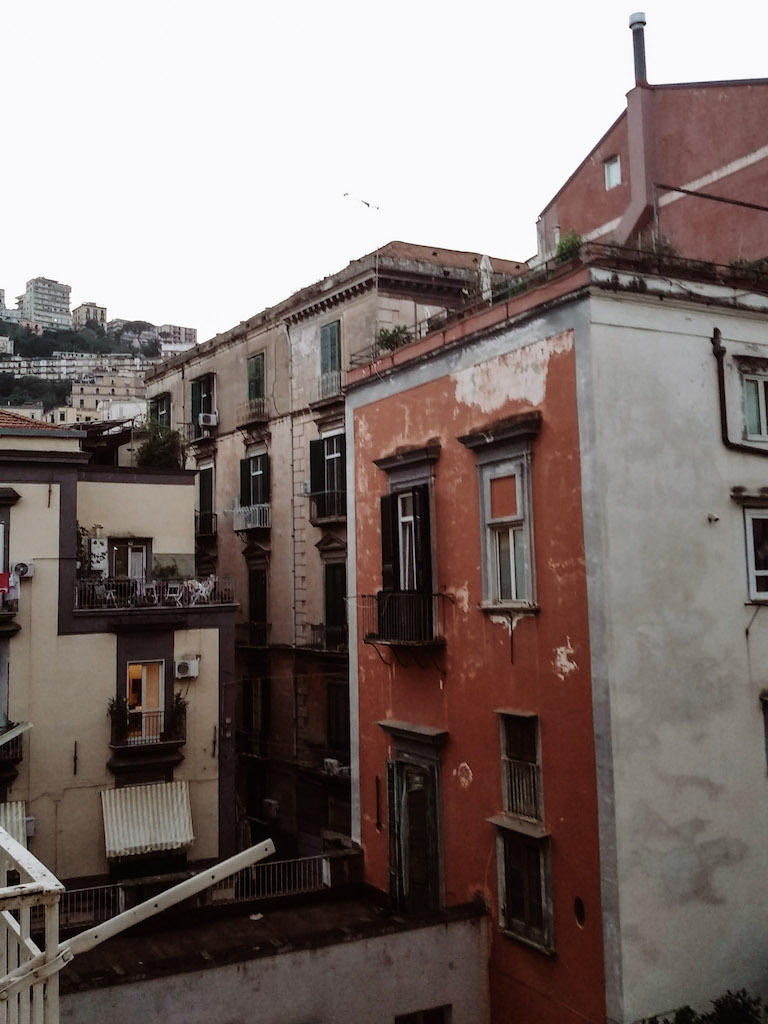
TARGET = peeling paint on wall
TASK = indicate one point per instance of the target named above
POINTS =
(563, 662)
(518, 375)
(465, 776)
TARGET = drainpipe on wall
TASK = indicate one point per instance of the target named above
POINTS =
(718, 350)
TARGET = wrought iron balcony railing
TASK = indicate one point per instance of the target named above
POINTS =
(523, 789)
(402, 618)
(107, 594)
(251, 517)
(206, 524)
(139, 728)
(327, 385)
(13, 751)
(329, 638)
(327, 506)
(252, 411)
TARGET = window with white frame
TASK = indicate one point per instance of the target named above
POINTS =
(757, 552)
(612, 171)
(504, 497)
(755, 391)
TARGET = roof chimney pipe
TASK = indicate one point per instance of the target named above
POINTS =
(637, 24)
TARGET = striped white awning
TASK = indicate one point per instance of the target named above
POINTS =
(143, 819)
(13, 819)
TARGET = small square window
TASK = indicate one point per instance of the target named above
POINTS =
(757, 553)
(755, 391)
(612, 170)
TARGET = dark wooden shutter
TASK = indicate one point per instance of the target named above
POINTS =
(257, 595)
(206, 490)
(389, 562)
(265, 479)
(316, 466)
(256, 376)
(342, 474)
(422, 539)
(393, 830)
(335, 595)
(196, 401)
(245, 482)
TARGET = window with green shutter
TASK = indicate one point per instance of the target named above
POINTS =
(256, 376)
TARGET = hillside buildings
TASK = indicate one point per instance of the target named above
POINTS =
(46, 302)
(89, 311)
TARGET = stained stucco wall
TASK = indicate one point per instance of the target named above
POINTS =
(676, 675)
(368, 981)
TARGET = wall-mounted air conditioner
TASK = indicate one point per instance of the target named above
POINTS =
(24, 570)
(188, 668)
(208, 419)
(270, 808)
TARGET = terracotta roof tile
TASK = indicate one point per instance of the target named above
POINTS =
(13, 421)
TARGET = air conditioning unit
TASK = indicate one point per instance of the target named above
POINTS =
(188, 669)
(24, 570)
(208, 419)
(332, 766)
(270, 809)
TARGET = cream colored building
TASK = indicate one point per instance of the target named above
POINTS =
(114, 654)
(89, 311)
(262, 409)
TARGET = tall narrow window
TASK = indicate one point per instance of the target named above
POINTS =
(144, 694)
(159, 409)
(328, 479)
(612, 172)
(206, 517)
(330, 359)
(256, 377)
(257, 606)
(520, 762)
(756, 406)
(254, 480)
(202, 401)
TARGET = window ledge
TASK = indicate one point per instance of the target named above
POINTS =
(531, 943)
(514, 823)
(511, 608)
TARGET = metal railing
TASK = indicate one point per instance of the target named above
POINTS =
(83, 908)
(206, 524)
(405, 617)
(116, 594)
(252, 411)
(136, 728)
(273, 878)
(328, 638)
(252, 634)
(12, 751)
(251, 517)
(524, 789)
(327, 385)
(325, 505)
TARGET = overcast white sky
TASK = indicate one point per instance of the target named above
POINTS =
(187, 162)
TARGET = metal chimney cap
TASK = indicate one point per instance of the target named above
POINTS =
(637, 19)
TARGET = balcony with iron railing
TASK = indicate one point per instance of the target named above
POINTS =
(197, 433)
(328, 638)
(252, 411)
(405, 618)
(327, 507)
(12, 751)
(327, 387)
(252, 634)
(523, 785)
(206, 524)
(110, 594)
(131, 728)
(251, 517)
